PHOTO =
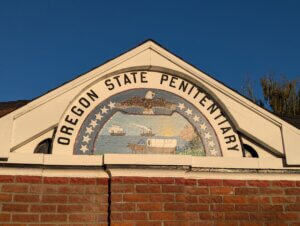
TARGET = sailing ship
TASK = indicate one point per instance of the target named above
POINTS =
(116, 130)
(146, 132)
(154, 146)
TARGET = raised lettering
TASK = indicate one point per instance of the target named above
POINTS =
(92, 95)
(230, 139)
(66, 130)
(110, 86)
(84, 102)
(77, 111)
(164, 78)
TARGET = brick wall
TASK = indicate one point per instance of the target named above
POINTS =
(177, 201)
(27, 200)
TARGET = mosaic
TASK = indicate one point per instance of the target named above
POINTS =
(146, 121)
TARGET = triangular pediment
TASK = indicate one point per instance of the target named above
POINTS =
(270, 137)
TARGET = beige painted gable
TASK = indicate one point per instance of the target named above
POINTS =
(22, 130)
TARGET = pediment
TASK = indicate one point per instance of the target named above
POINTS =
(129, 100)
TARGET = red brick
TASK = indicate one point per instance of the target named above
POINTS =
(284, 199)
(82, 218)
(221, 190)
(25, 218)
(292, 191)
(15, 188)
(258, 199)
(234, 199)
(184, 181)
(135, 216)
(197, 207)
(236, 216)
(26, 198)
(67, 189)
(101, 181)
(225, 223)
(179, 216)
(53, 218)
(196, 190)
(271, 191)
(148, 188)
(271, 208)
(4, 217)
(192, 216)
(6, 179)
(116, 180)
(246, 207)
(234, 183)
(222, 207)
(135, 180)
(298, 183)
(122, 188)
(28, 179)
(54, 199)
(5, 197)
(287, 216)
(284, 183)
(95, 189)
(211, 216)
(15, 207)
(43, 188)
(123, 207)
(210, 182)
(103, 198)
(82, 181)
(259, 183)
(81, 198)
(153, 223)
(161, 180)
(293, 207)
(135, 197)
(247, 223)
(43, 208)
(189, 198)
(174, 207)
(178, 223)
(182, 197)
(92, 208)
(162, 197)
(69, 208)
(161, 216)
(56, 180)
(173, 188)
(149, 207)
(180, 181)
(246, 191)
(276, 224)
(116, 216)
(209, 199)
(116, 198)
(263, 216)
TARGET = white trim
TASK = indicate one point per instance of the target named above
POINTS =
(84, 173)
(121, 172)
(146, 173)
(147, 160)
(202, 175)
(242, 176)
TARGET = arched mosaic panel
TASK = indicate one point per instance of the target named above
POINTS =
(147, 121)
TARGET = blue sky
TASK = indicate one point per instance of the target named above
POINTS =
(46, 43)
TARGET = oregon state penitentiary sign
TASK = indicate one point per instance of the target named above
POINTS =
(145, 112)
